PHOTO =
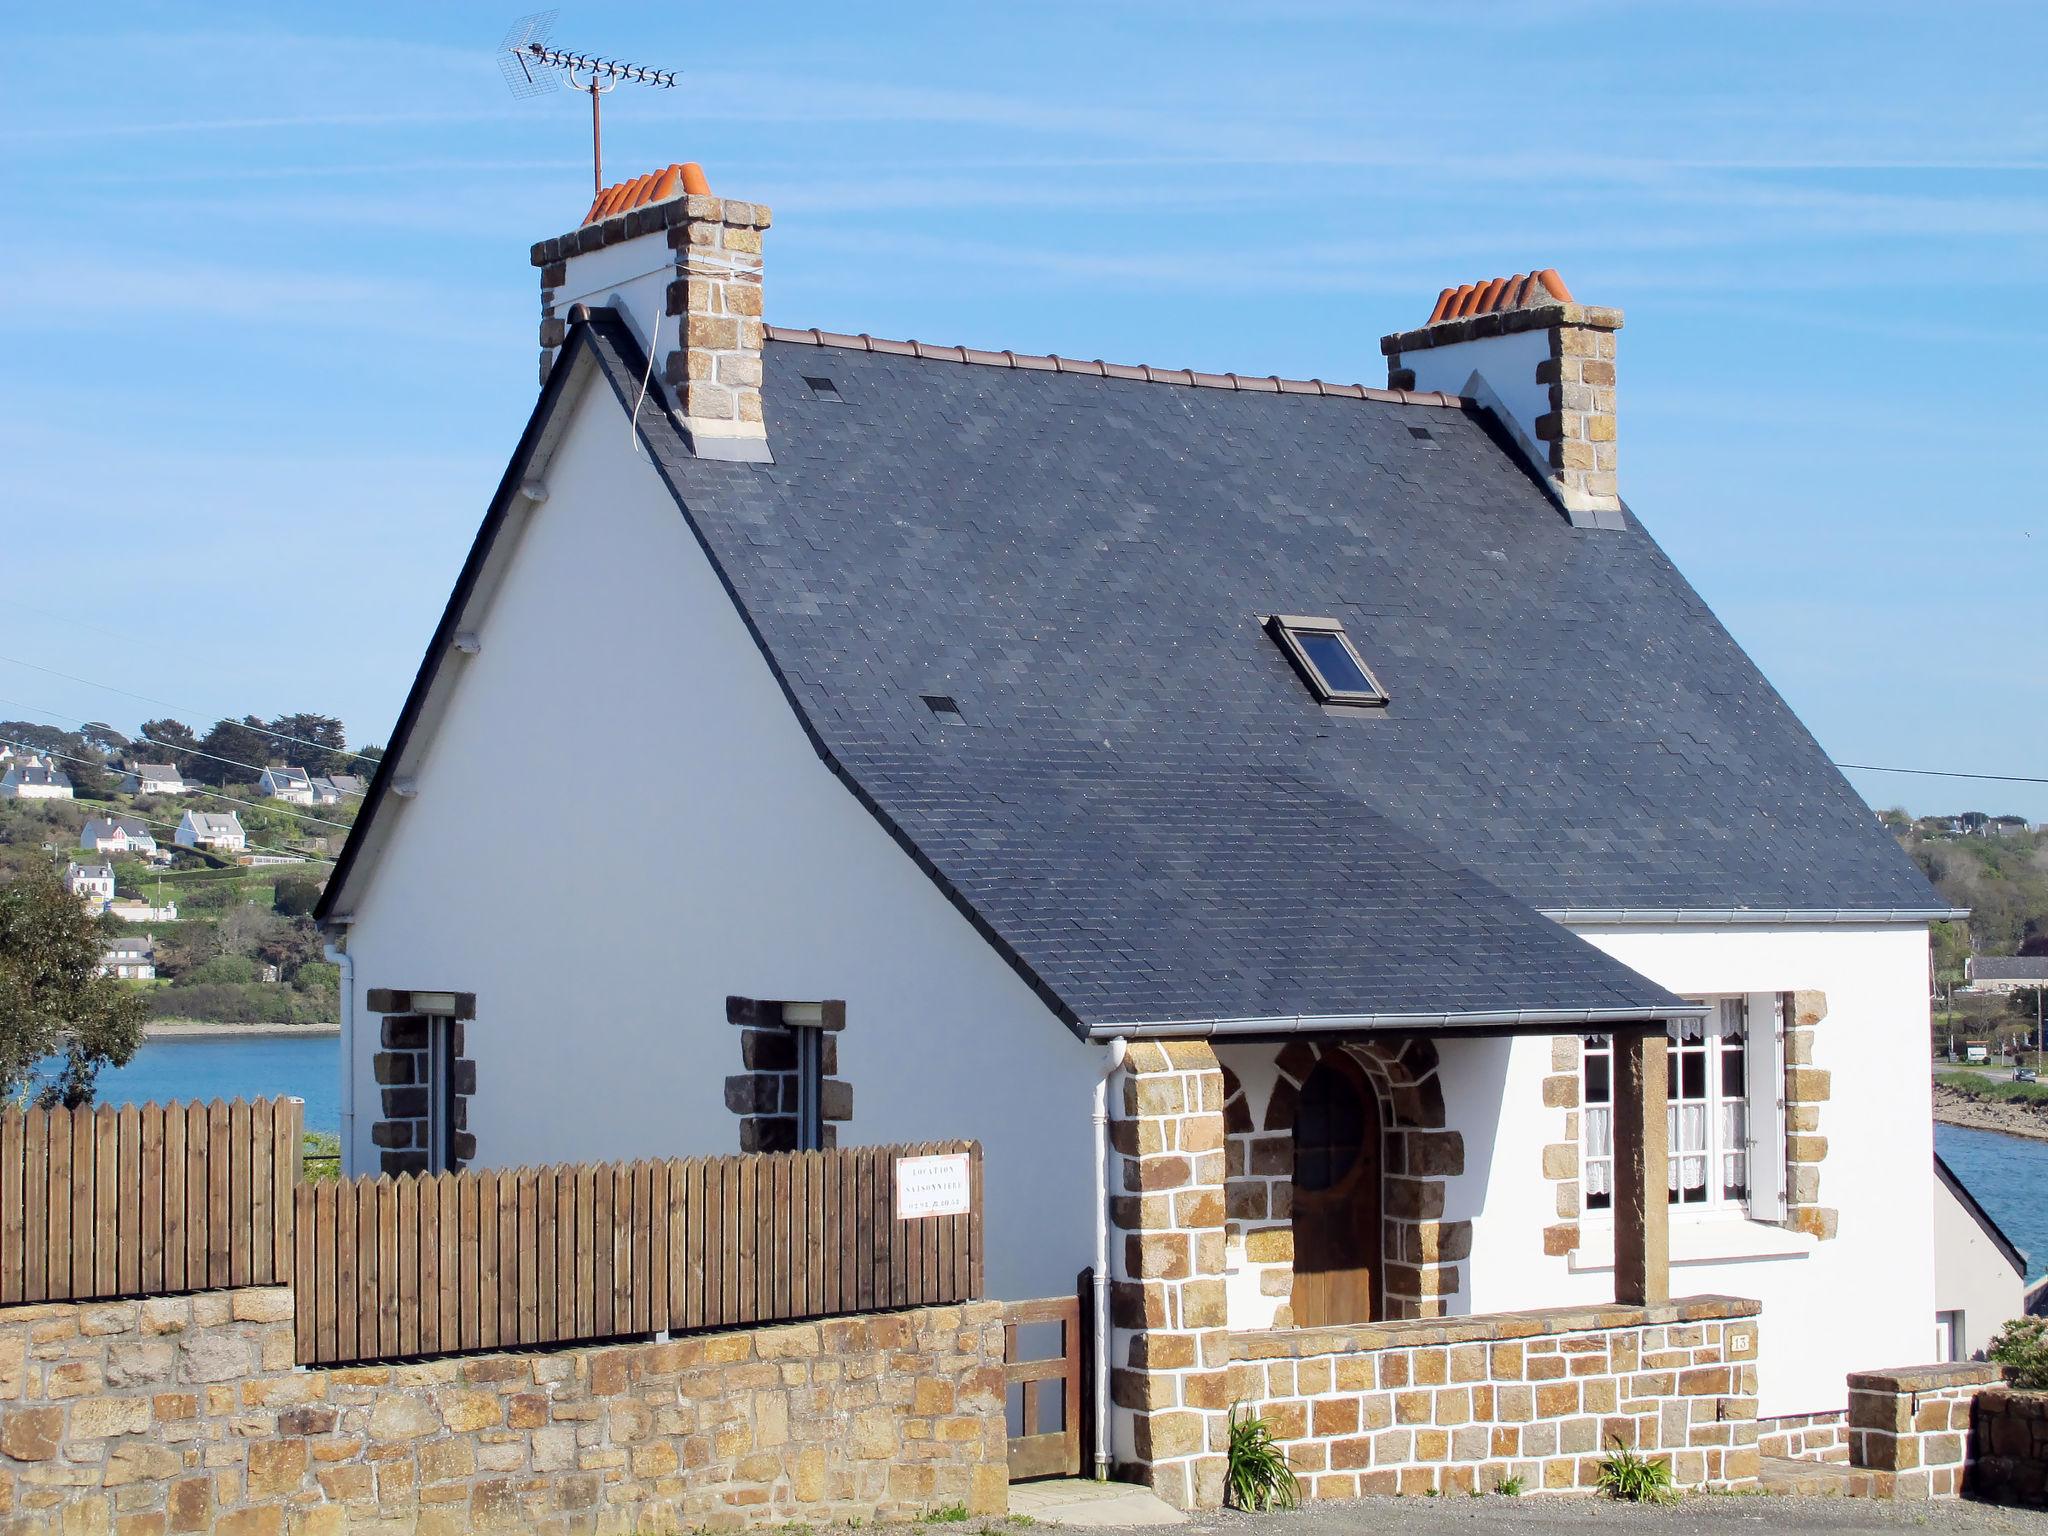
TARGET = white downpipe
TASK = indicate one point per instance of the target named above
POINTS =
(338, 956)
(1113, 1059)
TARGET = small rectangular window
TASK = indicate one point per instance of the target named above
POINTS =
(1706, 1118)
(1326, 657)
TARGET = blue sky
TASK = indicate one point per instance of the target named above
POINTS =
(272, 330)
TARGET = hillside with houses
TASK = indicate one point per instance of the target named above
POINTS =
(203, 854)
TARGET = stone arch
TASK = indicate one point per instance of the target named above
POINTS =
(1421, 1251)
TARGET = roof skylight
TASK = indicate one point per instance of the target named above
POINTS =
(1327, 660)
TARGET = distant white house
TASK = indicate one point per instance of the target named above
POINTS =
(152, 779)
(335, 788)
(130, 959)
(117, 834)
(1980, 1278)
(220, 831)
(258, 860)
(285, 783)
(131, 909)
(28, 779)
(91, 883)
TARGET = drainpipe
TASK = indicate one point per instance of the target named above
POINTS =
(338, 956)
(1113, 1059)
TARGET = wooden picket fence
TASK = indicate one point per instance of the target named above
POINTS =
(392, 1268)
(148, 1199)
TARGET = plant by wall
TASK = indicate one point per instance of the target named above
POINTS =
(1635, 1479)
(2021, 1346)
(1258, 1476)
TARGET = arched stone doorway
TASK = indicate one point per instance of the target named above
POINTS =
(1339, 1266)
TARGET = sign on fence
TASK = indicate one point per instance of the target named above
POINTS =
(146, 1200)
(933, 1186)
(390, 1268)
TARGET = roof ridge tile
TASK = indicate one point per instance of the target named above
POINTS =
(1053, 362)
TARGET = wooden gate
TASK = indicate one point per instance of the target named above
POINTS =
(1034, 1450)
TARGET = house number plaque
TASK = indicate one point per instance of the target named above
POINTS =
(932, 1186)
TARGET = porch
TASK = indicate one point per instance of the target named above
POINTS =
(1284, 1243)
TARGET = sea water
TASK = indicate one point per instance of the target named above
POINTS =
(233, 1067)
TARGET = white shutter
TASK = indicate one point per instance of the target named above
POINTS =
(1764, 1057)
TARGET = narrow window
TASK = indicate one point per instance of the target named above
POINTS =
(1327, 660)
(806, 1023)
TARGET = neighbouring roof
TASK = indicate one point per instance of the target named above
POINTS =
(2013, 1255)
(208, 823)
(287, 775)
(154, 770)
(2006, 967)
(104, 826)
(31, 773)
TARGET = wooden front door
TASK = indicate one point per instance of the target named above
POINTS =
(1337, 1276)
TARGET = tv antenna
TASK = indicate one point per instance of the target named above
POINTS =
(532, 68)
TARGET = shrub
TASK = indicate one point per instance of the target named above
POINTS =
(1509, 1487)
(1635, 1479)
(1257, 1476)
(230, 970)
(296, 895)
(2021, 1346)
(318, 977)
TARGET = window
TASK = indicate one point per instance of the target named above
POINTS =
(806, 1024)
(1327, 659)
(1707, 1123)
(1948, 1337)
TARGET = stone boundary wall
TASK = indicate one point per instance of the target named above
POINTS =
(185, 1414)
(1460, 1405)
(1806, 1436)
(2008, 1447)
(1911, 1426)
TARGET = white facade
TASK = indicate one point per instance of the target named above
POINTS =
(583, 1050)
(130, 910)
(287, 784)
(104, 835)
(92, 883)
(1978, 1287)
(217, 830)
(26, 780)
(129, 960)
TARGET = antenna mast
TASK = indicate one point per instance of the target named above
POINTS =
(532, 68)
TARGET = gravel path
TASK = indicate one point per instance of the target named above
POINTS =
(1705, 1514)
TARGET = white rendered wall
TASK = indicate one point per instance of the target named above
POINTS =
(1972, 1275)
(1854, 1302)
(631, 276)
(600, 1029)
(1508, 363)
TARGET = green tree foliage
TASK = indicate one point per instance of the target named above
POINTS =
(168, 741)
(236, 751)
(296, 894)
(316, 743)
(53, 1001)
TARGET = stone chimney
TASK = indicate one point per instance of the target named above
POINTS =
(1543, 363)
(683, 268)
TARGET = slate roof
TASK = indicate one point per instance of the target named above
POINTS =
(1141, 805)
(2007, 967)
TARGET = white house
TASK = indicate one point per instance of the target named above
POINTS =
(219, 831)
(283, 783)
(117, 834)
(2004, 973)
(334, 788)
(152, 779)
(29, 779)
(129, 959)
(1980, 1278)
(91, 883)
(1293, 826)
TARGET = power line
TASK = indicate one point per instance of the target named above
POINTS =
(158, 821)
(1937, 773)
(175, 709)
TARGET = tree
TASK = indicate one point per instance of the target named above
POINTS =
(170, 741)
(296, 895)
(236, 751)
(317, 742)
(53, 999)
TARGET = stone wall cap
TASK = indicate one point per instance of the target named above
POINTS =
(1493, 1327)
(1052, 362)
(1928, 1378)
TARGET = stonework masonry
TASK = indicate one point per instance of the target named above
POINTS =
(1806, 1436)
(709, 357)
(1911, 1427)
(185, 1414)
(2008, 1454)
(407, 1081)
(1807, 1088)
(1576, 436)
(1459, 1405)
(765, 1095)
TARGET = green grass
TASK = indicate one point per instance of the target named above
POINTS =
(1509, 1487)
(1976, 1085)
(943, 1514)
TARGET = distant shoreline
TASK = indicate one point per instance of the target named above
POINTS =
(200, 1029)
(2007, 1119)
